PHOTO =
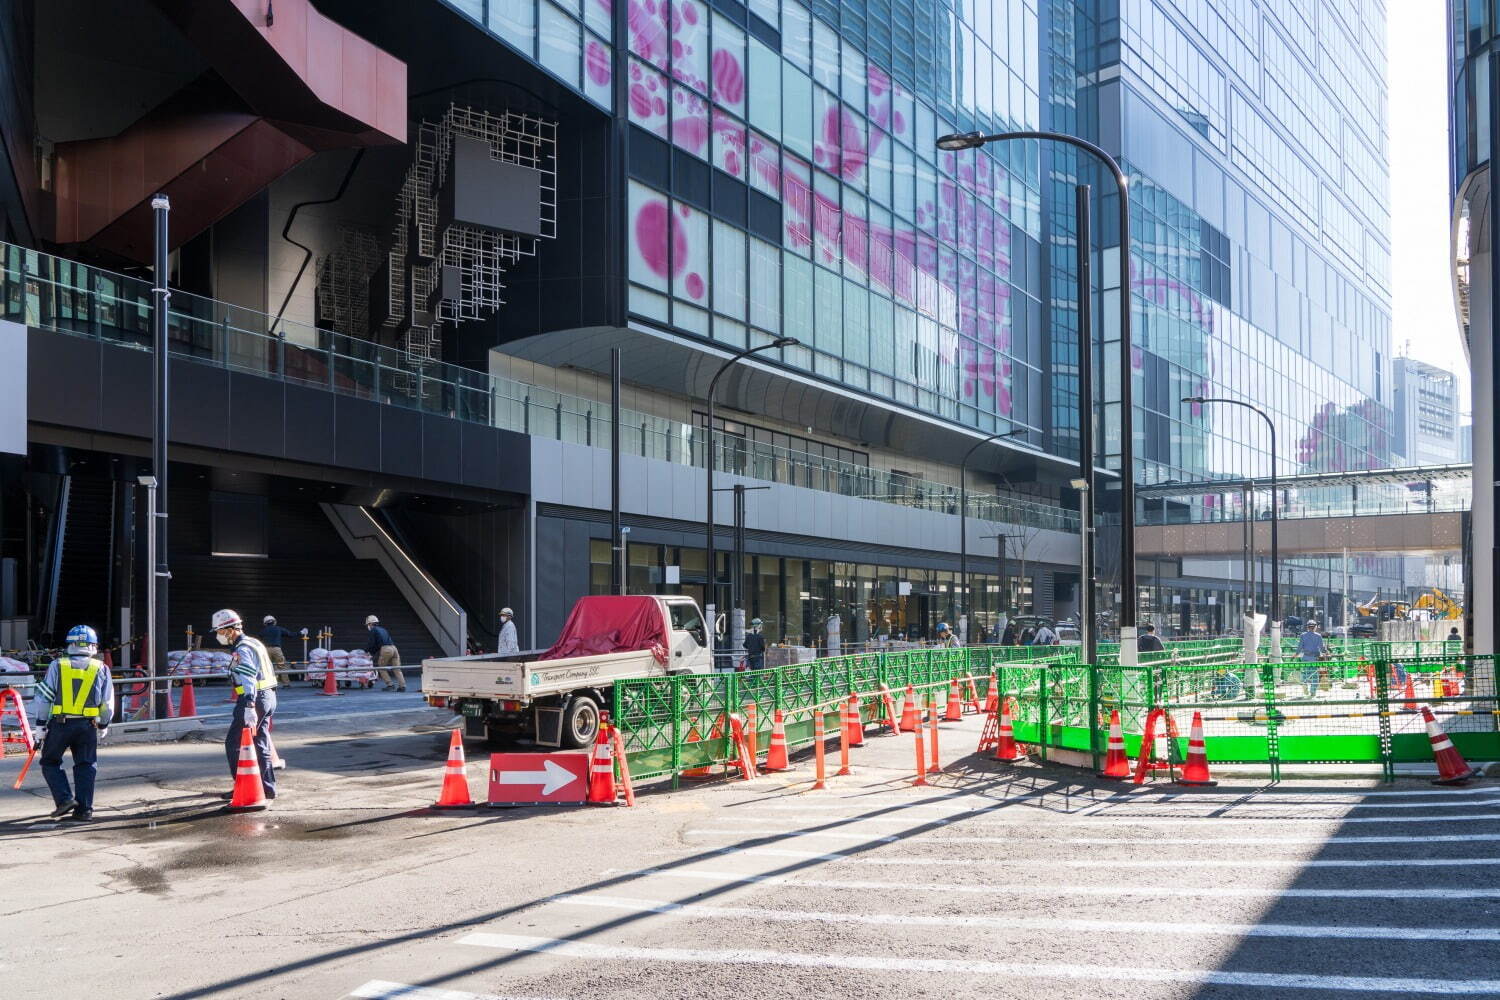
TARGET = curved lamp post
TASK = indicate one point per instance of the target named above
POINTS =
(710, 609)
(973, 140)
(1275, 550)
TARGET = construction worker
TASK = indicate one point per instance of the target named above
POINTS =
(272, 636)
(755, 646)
(945, 636)
(75, 702)
(254, 682)
(1311, 649)
(508, 643)
(383, 651)
(1148, 641)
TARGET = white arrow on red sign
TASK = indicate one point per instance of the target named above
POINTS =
(551, 777)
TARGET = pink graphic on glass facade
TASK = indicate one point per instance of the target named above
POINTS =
(596, 63)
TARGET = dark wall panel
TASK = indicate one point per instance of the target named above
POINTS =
(442, 455)
(400, 442)
(357, 433)
(256, 419)
(55, 365)
(309, 424)
(199, 410)
(481, 457)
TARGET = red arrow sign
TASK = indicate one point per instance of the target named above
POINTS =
(520, 778)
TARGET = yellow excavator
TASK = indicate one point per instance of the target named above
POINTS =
(1383, 610)
(1438, 603)
(1441, 605)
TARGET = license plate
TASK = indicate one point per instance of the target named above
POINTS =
(474, 709)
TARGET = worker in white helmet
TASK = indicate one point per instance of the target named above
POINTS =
(508, 642)
(382, 649)
(254, 680)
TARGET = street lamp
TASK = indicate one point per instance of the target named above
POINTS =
(1275, 547)
(711, 605)
(963, 518)
(960, 141)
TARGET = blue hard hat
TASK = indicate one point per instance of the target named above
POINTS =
(942, 626)
(82, 635)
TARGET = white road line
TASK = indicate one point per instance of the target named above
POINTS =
(1008, 922)
(901, 861)
(1206, 977)
(1394, 892)
(380, 989)
(1120, 819)
(1442, 838)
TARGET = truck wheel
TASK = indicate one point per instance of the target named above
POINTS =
(580, 723)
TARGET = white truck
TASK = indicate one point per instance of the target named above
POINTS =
(557, 701)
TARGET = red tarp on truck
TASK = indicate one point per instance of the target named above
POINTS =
(612, 625)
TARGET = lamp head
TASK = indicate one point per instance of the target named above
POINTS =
(1194, 399)
(957, 141)
(785, 342)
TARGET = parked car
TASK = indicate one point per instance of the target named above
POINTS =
(1026, 626)
(1068, 634)
(1364, 627)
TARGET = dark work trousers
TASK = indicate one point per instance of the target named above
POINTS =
(82, 738)
(265, 707)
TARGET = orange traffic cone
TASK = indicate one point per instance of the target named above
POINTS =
(1411, 695)
(249, 793)
(1116, 763)
(188, 706)
(955, 709)
(909, 709)
(992, 700)
(853, 724)
(1452, 768)
(776, 759)
(820, 752)
(330, 682)
(602, 770)
(1195, 771)
(455, 791)
(932, 736)
(1006, 748)
(921, 778)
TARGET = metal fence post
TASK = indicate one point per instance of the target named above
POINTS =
(1383, 706)
(1041, 709)
(677, 734)
(1093, 715)
(1273, 740)
(776, 686)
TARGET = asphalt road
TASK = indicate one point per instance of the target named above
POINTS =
(998, 881)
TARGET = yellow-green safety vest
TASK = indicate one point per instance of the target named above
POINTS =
(74, 688)
(267, 678)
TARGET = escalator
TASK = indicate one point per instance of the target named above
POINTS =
(84, 571)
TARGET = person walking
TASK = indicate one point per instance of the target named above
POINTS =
(1311, 649)
(1008, 637)
(508, 643)
(75, 702)
(755, 646)
(273, 637)
(254, 680)
(1045, 635)
(1148, 641)
(387, 659)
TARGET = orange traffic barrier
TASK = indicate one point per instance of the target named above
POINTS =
(819, 751)
(955, 710)
(188, 705)
(624, 762)
(776, 757)
(249, 793)
(601, 770)
(932, 735)
(1195, 772)
(752, 731)
(1452, 768)
(889, 704)
(746, 762)
(973, 703)
(921, 778)
(455, 790)
(854, 725)
(22, 737)
(1411, 695)
(1116, 763)
(909, 710)
(1005, 747)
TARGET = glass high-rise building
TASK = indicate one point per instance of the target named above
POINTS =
(709, 175)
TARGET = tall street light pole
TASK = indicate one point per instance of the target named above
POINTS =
(161, 574)
(973, 140)
(710, 609)
(1085, 480)
(963, 521)
(1275, 547)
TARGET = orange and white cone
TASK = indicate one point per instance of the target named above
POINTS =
(602, 770)
(249, 793)
(330, 682)
(188, 705)
(776, 758)
(1452, 768)
(1116, 762)
(955, 710)
(1411, 695)
(455, 790)
(1006, 749)
(854, 725)
(992, 700)
(909, 710)
(1195, 771)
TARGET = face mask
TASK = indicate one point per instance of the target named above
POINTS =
(221, 636)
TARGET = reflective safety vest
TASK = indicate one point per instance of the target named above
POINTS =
(76, 688)
(267, 678)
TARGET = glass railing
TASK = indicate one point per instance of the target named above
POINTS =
(52, 293)
(1355, 500)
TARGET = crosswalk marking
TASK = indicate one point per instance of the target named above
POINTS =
(380, 989)
(901, 860)
(880, 963)
(1011, 922)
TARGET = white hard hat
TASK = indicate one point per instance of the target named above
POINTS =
(268, 620)
(372, 620)
(508, 612)
(226, 619)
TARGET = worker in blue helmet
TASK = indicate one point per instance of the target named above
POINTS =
(75, 702)
(945, 636)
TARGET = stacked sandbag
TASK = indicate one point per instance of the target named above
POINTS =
(197, 662)
(317, 666)
(361, 667)
(10, 666)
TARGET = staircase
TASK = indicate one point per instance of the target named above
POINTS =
(83, 586)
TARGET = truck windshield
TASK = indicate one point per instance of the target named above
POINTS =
(685, 618)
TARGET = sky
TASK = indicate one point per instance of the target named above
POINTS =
(1422, 288)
